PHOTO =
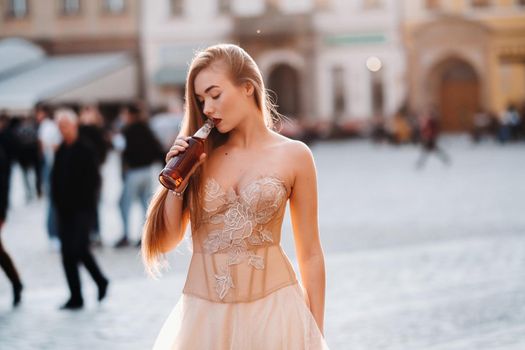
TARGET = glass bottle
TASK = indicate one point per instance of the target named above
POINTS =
(179, 167)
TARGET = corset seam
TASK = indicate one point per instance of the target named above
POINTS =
(243, 300)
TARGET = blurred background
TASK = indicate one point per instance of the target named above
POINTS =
(414, 111)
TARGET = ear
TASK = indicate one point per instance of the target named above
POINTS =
(248, 89)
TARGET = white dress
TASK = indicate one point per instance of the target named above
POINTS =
(241, 291)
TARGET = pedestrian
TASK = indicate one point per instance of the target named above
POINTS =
(29, 156)
(510, 124)
(480, 126)
(91, 131)
(141, 151)
(241, 291)
(429, 135)
(5, 260)
(74, 183)
(8, 142)
(49, 139)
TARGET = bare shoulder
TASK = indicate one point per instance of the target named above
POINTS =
(295, 155)
(295, 151)
(297, 161)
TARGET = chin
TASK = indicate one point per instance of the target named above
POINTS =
(220, 128)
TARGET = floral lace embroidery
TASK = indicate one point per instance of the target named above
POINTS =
(243, 218)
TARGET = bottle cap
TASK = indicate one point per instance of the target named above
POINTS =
(205, 130)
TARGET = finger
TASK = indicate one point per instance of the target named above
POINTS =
(176, 150)
(172, 154)
(181, 142)
(179, 148)
(180, 138)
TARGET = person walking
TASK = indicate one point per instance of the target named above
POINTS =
(91, 130)
(74, 184)
(241, 291)
(141, 151)
(49, 139)
(429, 135)
(29, 156)
(5, 260)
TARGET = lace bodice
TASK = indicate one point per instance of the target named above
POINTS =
(237, 256)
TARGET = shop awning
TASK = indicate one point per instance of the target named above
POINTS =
(170, 76)
(17, 55)
(72, 78)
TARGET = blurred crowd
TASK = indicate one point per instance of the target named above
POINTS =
(60, 153)
(408, 127)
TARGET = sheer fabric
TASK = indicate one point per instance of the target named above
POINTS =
(236, 252)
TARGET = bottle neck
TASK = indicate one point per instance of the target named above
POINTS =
(205, 130)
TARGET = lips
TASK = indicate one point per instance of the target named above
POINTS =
(216, 121)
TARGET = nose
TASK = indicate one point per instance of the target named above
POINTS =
(208, 109)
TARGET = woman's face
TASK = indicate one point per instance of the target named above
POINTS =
(221, 100)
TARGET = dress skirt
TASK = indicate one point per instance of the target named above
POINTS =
(280, 320)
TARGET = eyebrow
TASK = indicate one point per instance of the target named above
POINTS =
(208, 89)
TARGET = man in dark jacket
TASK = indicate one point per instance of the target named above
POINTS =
(74, 183)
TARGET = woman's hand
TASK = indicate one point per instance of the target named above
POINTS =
(179, 146)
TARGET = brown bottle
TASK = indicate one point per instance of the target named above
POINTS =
(179, 167)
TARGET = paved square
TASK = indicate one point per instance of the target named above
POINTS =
(416, 259)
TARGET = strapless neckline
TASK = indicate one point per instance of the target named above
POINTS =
(238, 189)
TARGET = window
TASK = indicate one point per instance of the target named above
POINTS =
(224, 6)
(480, 3)
(433, 4)
(114, 6)
(70, 7)
(322, 4)
(272, 6)
(177, 7)
(372, 4)
(17, 8)
(338, 84)
(374, 65)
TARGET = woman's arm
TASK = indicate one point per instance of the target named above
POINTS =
(303, 210)
(176, 219)
(167, 218)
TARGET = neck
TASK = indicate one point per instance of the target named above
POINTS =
(251, 132)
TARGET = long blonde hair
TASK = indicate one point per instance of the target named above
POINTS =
(241, 69)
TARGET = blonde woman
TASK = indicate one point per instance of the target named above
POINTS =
(241, 291)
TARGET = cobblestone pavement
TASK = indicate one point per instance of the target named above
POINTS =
(431, 259)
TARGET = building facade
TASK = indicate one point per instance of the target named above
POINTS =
(73, 26)
(91, 31)
(326, 60)
(464, 56)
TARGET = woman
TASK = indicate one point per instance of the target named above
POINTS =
(241, 291)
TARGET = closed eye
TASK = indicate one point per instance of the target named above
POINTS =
(216, 97)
